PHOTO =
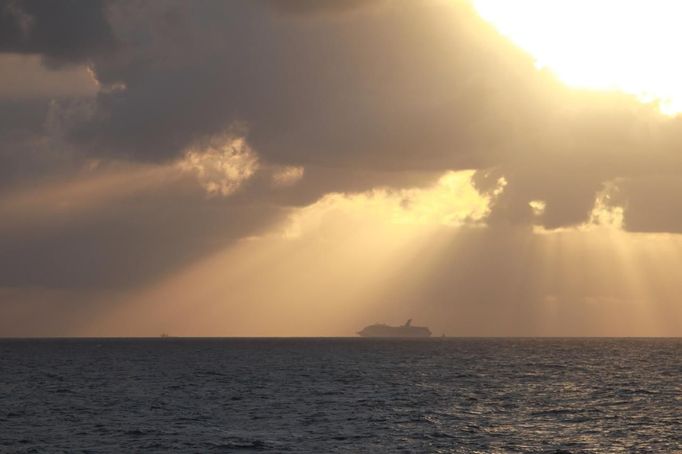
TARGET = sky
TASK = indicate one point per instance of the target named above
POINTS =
(306, 168)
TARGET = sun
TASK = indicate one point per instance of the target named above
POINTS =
(624, 45)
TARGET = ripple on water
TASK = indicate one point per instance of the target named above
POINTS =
(341, 395)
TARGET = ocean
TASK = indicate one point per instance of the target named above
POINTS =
(341, 395)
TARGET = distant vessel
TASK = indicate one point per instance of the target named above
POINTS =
(407, 330)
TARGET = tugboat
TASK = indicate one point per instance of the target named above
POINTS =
(407, 330)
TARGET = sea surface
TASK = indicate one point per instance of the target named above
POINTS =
(341, 395)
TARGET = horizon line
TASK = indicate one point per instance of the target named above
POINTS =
(325, 337)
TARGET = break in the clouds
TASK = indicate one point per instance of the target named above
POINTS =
(140, 137)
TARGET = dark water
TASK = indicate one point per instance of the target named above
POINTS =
(341, 395)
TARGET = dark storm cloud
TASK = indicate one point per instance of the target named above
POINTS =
(389, 95)
(67, 31)
(651, 203)
(22, 117)
(413, 86)
(33, 148)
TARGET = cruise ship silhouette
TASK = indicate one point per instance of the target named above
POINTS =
(383, 330)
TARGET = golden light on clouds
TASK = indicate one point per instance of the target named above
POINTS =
(451, 201)
(287, 175)
(628, 46)
(222, 165)
(605, 213)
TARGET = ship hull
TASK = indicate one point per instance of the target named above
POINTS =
(393, 331)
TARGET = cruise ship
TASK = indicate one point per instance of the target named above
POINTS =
(407, 330)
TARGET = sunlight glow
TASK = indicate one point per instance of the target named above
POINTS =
(623, 45)
(319, 283)
(80, 192)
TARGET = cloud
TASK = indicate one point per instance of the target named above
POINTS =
(446, 92)
(287, 175)
(323, 92)
(451, 201)
(68, 32)
(350, 97)
(222, 165)
(649, 203)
